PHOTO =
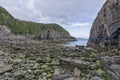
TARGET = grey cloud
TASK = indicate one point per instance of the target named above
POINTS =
(63, 12)
(56, 10)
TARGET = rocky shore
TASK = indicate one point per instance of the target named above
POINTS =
(33, 51)
(22, 58)
(25, 59)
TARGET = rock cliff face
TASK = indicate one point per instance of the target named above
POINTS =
(36, 30)
(52, 34)
(105, 31)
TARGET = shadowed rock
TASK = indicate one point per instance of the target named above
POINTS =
(112, 67)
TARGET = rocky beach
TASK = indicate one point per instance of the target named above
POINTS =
(36, 51)
(39, 60)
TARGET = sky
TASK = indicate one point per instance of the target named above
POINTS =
(76, 16)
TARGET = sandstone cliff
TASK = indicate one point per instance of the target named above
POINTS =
(105, 31)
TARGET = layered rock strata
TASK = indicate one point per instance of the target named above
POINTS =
(105, 31)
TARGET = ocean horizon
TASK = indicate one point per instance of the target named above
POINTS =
(80, 41)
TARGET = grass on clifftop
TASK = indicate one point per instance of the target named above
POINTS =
(24, 27)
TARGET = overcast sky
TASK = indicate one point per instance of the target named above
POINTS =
(76, 16)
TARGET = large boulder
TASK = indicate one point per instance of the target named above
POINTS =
(71, 64)
(105, 31)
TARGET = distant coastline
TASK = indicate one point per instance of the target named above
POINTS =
(80, 41)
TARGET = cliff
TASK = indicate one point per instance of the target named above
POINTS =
(53, 34)
(36, 30)
(105, 31)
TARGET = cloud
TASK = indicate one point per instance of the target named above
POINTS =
(79, 29)
(72, 13)
(80, 24)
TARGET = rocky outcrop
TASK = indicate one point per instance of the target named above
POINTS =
(5, 69)
(112, 66)
(52, 34)
(105, 31)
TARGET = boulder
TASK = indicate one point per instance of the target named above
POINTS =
(5, 69)
(74, 63)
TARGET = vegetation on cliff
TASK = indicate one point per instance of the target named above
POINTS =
(24, 27)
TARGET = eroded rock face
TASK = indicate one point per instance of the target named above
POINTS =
(106, 27)
(51, 34)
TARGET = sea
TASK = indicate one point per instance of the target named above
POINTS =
(80, 42)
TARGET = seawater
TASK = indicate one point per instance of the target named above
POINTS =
(80, 41)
